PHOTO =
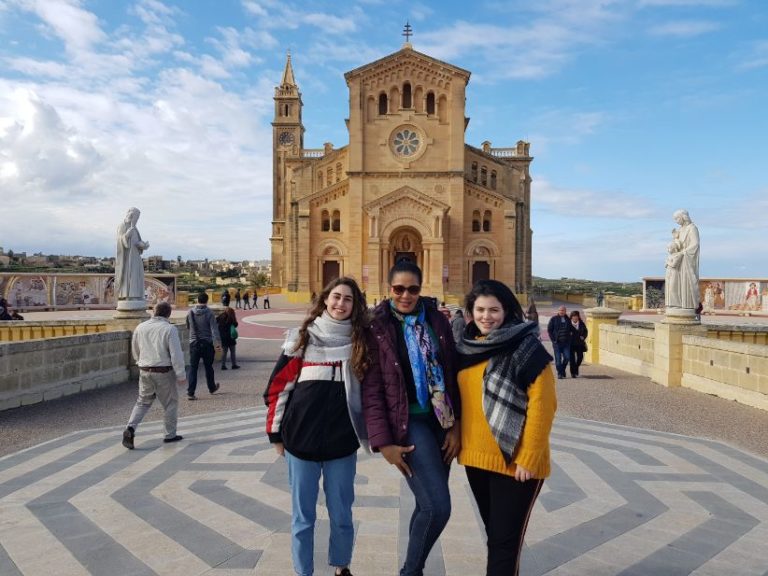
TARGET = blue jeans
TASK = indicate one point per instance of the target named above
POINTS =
(562, 356)
(339, 487)
(200, 350)
(429, 485)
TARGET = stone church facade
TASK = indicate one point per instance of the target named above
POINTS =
(406, 186)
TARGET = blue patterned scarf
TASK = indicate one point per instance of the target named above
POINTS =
(420, 342)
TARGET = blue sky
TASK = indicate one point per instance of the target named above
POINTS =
(633, 108)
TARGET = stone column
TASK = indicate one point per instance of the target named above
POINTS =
(596, 317)
(668, 346)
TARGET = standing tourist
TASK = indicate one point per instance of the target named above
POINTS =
(227, 322)
(255, 298)
(157, 351)
(266, 301)
(508, 405)
(225, 297)
(411, 403)
(579, 334)
(246, 301)
(238, 299)
(559, 330)
(315, 419)
(203, 342)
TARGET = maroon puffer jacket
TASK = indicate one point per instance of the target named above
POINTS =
(385, 401)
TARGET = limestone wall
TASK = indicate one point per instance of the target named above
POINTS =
(36, 370)
(732, 370)
(628, 348)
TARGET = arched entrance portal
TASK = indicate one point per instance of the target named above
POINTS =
(481, 270)
(405, 244)
(331, 265)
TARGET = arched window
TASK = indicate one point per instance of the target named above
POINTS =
(382, 104)
(476, 221)
(320, 179)
(336, 221)
(325, 221)
(487, 221)
(431, 103)
(493, 179)
(330, 176)
(407, 95)
(287, 110)
(338, 171)
(474, 171)
(484, 176)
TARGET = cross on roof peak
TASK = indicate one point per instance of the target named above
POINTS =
(407, 32)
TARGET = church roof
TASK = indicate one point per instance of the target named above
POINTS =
(406, 50)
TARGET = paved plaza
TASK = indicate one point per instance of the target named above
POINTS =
(622, 500)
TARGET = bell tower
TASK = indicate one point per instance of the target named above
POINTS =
(287, 143)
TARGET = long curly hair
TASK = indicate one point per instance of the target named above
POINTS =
(359, 318)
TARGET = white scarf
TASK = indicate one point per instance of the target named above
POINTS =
(331, 341)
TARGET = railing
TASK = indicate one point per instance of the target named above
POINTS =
(504, 152)
(313, 153)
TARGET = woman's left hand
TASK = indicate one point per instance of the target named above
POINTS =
(452, 444)
(522, 474)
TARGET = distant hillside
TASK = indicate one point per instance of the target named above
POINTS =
(580, 286)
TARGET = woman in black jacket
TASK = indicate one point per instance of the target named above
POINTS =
(315, 419)
(226, 321)
(578, 342)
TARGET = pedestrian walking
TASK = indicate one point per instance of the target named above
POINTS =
(508, 405)
(579, 335)
(238, 299)
(156, 348)
(227, 322)
(204, 340)
(225, 297)
(246, 301)
(255, 298)
(559, 329)
(315, 420)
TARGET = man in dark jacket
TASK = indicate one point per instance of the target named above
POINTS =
(559, 329)
(225, 297)
(204, 340)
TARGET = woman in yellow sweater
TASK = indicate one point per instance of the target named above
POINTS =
(508, 405)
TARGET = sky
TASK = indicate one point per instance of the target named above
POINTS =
(633, 109)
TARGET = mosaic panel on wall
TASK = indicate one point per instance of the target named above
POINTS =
(31, 291)
(717, 294)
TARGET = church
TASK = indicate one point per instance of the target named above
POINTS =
(406, 186)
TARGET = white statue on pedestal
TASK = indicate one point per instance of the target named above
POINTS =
(681, 281)
(129, 267)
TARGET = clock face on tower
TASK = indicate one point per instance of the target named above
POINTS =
(285, 138)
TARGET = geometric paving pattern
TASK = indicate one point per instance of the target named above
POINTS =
(620, 501)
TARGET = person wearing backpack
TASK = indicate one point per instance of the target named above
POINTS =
(227, 322)
(203, 341)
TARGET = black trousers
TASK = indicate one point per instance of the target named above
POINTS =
(505, 506)
(577, 357)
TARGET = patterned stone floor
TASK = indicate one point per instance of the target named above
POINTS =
(621, 501)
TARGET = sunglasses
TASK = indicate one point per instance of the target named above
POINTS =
(400, 289)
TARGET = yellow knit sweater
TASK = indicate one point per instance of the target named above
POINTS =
(478, 446)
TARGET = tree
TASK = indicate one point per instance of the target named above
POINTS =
(257, 279)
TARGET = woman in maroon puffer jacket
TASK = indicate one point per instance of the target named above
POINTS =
(411, 403)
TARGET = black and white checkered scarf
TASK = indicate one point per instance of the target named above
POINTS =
(516, 358)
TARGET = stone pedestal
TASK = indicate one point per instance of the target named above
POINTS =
(131, 310)
(668, 345)
(596, 317)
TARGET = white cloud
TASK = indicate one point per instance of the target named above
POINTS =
(586, 203)
(684, 28)
(273, 14)
(694, 3)
(757, 57)
(79, 29)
